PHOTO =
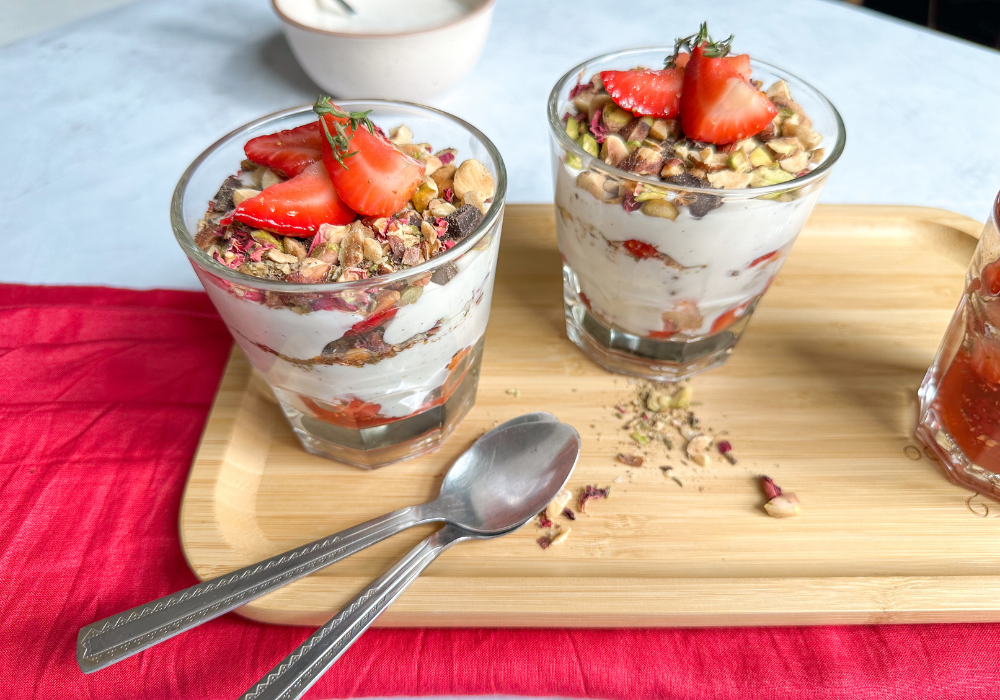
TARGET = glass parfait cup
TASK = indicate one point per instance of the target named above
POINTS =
(664, 290)
(960, 395)
(371, 371)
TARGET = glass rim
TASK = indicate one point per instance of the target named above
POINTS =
(568, 144)
(185, 237)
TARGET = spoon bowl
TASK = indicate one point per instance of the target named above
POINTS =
(508, 476)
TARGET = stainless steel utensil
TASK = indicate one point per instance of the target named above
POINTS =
(554, 447)
(114, 638)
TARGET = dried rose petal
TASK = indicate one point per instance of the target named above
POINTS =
(771, 489)
(724, 447)
(591, 493)
(544, 541)
(628, 202)
(569, 513)
(543, 520)
(596, 128)
(578, 88)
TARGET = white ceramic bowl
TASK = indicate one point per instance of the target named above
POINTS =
(410, 65)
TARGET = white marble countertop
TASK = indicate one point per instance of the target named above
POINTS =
(104, 114)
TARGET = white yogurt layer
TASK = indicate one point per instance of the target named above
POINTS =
(400, 384)
(377, 16)
(633, 294)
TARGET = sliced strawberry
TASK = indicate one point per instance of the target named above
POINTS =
(298, 206)
(766, 257)
(740, 64)
(718, 104)
(372, 321)
(991, 277)
(355, 414)
(379, 179)
(729, 317)
(640, 250)
(287, 152)
(645, 92)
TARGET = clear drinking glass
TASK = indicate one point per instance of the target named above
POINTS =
(960, 395)
(665, 299)
(376, 370)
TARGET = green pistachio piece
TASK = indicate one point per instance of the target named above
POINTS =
(572, 128)
(648, 121)
(762, 177)
(738, 161)
(573, 161)
(632, 145)
(266, 238)
(409, 295)
(589, 144)
(615, 117)
(760, 158)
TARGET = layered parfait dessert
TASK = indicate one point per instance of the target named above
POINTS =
(960, 396)
(679, 192)
(354, 267)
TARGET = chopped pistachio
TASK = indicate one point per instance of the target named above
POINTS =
(738, 161)
(641, 439)
(589, 144)
(760, 158)
(615, 117)
(762, 177)
(661, 209)
(573, 128)
(267, 238)
(632, 145)
(573, 161)
(410, 295)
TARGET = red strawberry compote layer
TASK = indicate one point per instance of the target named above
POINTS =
(372, 321)
(680, 198)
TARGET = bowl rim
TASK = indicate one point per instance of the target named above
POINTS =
(185, 237)
(467, 17)
(568, 144)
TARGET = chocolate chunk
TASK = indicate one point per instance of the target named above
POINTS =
(685, 180)
(463, 221)
(223, 200)
(703, 203)
(444, 274)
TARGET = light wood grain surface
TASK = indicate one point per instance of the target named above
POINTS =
(820, 394)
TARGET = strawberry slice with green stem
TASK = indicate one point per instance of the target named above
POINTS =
(287, 152)
(371, 175)
(718, 102)
(657, 93)
(297, 207)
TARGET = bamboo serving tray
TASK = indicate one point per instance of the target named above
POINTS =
(820, 394)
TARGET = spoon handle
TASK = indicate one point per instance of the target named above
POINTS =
(297, 672)
(114, 638)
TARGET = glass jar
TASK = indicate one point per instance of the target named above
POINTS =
(664, 289)
(369, 371)
(960, 395)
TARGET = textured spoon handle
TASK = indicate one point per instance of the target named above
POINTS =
(296, 673)
(114, 638)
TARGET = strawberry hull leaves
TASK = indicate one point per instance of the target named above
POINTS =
(377, 178)
(340, 141)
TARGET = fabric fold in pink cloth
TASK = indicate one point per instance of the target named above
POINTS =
(103, 396)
